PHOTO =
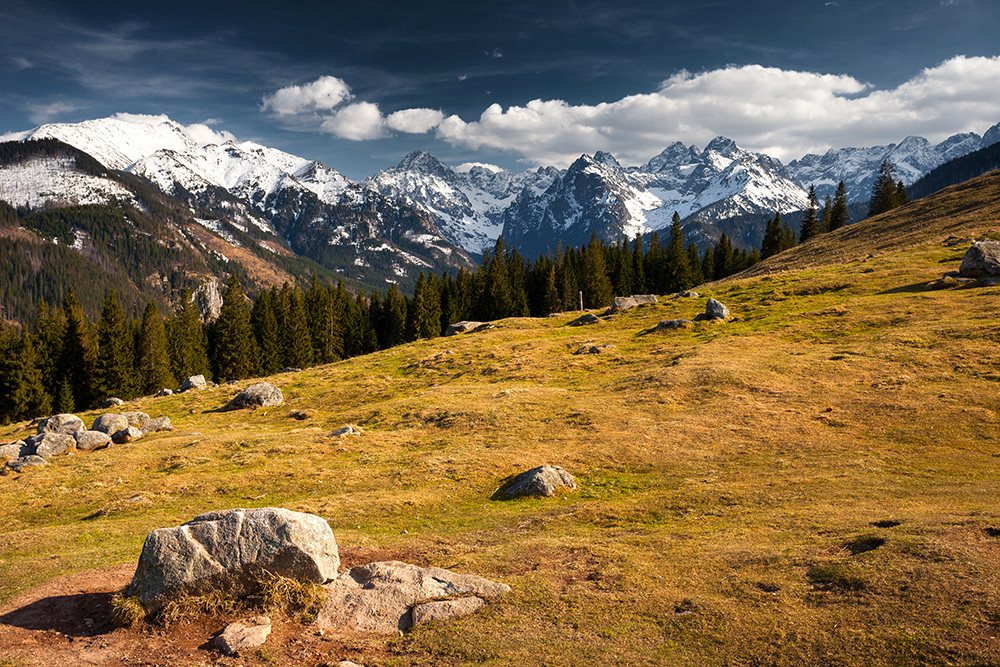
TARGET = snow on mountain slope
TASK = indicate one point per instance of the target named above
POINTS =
(56, 181)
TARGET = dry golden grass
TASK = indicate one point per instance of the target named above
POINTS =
(813, 483)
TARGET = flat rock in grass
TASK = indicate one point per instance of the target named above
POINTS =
(15, 450)
(88, 441)
(126, 435)
(596, 349)
(48, 445)
(62, 423)
(981, 261)
(667, 325)
(461, 327)
(26, 462)
(262, 394)
(344, 431)
(110, 423)
(156, 424)
(230, 551)
(194, 382)
(541, 481)
(587, 318)
(302, 415)
(135, 418)
(165, 392)
(686, 294)
(446, 609)
(244, 635)
(623, 303)
(112, 402)
(378, 597)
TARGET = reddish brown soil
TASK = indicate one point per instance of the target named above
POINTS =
(67, 621)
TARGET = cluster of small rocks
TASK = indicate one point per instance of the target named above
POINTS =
(65, 433)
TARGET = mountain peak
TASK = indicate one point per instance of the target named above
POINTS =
(424, 162)
(605, 158)
(722, 145)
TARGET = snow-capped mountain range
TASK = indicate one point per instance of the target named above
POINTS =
(423, 214)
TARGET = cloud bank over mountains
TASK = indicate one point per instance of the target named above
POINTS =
(781, 112)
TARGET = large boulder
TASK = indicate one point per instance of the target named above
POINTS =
(541, 481)
(380, 597)
(230, 550)
(262, 395)
(15, 450)
(62, 423)
(714, 310)
(194, 382)
(48, 445)
(110, 423)
(26, 462)
(127, 435)
(623, 303)
(88, 441)
(981, 261)
(157, 424)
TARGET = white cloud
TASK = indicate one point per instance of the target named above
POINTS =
(785, 113)
(44, 113)
(323, 94)
(356, 122)
(414, 121)
(204, 135)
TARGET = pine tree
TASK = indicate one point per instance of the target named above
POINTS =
(188, 344)
(78, 359)
(496, 301)
(694, 261)
(708, 263)
(887, 192)
(264, 323)
(64, 401)
(838, 211)
(824, 218)
(638, 268)
(723, 258)
(771, 243)
(810, 223)
(678, 271)
(394, 318)
(152, 362)
(235, 347)
(295, 340)
(596, 284)
(49, 329)
(115, 371)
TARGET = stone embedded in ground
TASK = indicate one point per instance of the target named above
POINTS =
(126, 435)
(262, 394)
(15, 450)
(445, 609)
(157, 424)
(541, 481)
(291, 369)
(666, 325)
(378, 597)
(165, 392)
(194, 382)
(623, 303)
(461, 327)
(981, 261)
(24, 462)
(716, 310)
(112, 402)
(687, 294)
(596, 349)
(343, 431)
(244, 635)
(135, 418)
(110, 423)
(588, 318)
(302, 414)
(48, 445)
(230, 551)
(88, 441)
(62, 423)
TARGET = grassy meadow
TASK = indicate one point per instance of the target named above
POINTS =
(814, 482)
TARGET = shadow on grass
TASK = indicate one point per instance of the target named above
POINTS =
(80, 615)
(506, 483)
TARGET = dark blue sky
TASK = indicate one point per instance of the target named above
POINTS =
(597, 68)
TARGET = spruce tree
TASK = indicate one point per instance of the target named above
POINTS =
(638, 267)
(235, 347)
(152, 361)
(771, 243)
(115, 372)
(723, 258)
(676, 264)
(839, 215)
(824, 217)
(810, 223)
(264, 323)
(394, 318)
(887, 192)
(78, 359)
(596, 284)
(694, 261)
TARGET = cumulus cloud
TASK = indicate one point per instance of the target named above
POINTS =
(44, 113)
(356, 122)
(323, 94)
(200, 133)
(781, 112)
(414, 121)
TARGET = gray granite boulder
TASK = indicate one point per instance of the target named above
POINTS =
(16, 450)
(981, 261)
(164, 392)
(244, 635)
(666, 325)
(262, 394)
(623, 303)
(379, 597)
(62, 423)
(48, 445)
(716, 310)
(126, 435)
(112, 402)
(230, 550)
(445, 609)
(461, 327)
(110, 423)
(194, 382)
(156, 424)
(587, 318)
(26, 462)
(344, 431)
(541, 481)
(135, 418)
(88, 441)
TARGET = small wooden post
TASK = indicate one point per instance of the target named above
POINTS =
(581, 299)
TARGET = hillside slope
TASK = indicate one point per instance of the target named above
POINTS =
(810, 483)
